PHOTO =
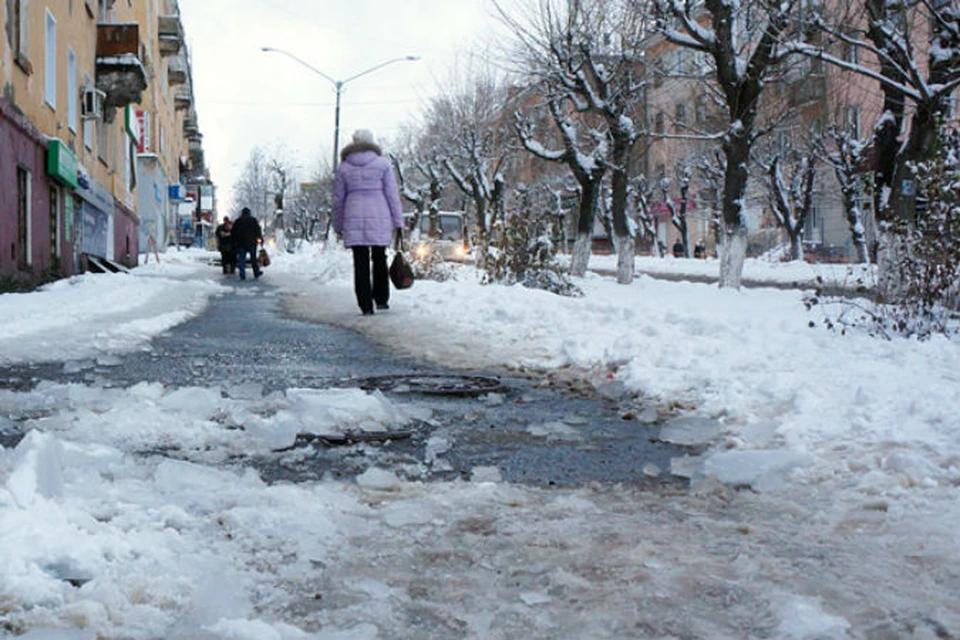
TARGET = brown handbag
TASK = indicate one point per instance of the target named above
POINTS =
(401, 273)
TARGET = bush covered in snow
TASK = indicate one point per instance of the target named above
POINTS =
(521, 251)
(919, 277)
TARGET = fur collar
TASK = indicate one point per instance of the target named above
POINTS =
(359, 146)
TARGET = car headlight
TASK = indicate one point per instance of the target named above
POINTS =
(421, 251)
(459, 252)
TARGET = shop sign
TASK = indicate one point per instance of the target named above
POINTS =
(98, 196)
(143, 126)
(61, 163)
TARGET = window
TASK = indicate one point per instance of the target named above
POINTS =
(681, 61)
(19, 10)
(700, 113)
(55, 227)
(50, 63)
(23, 249)
(88, 125)
(850, 53)
(950, 107)
(852, 121)
(106, 11)
(72, 90)
(658, 73)
(681, 114)
(812, 228)
(163, 138)
(658, 122)
(103, 141)
(782, 143)
(700, 64)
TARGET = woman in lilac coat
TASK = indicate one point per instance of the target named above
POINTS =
(366, 213)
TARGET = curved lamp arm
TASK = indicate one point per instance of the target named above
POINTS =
(308, 66)
(380, 66)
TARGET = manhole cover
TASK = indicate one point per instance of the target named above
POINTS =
(437, 385)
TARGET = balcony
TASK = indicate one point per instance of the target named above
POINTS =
(120, 73)
(176, 71)
(182, 99)
(190, 126)
(170, 34)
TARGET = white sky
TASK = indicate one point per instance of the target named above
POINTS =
(245, 97)
(845, 450)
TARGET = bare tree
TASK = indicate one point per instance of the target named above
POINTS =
(465, 130)
(306, 214)
(641, 195)
(711, 168)
(588, 167)
(280, 183)
(745, 53)
(679, 207)
(586, 52)
(253, 186)
(425, 195)
(844, 153)
(915, 77)
(791, 196)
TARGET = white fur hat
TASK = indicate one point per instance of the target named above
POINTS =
(363, 136)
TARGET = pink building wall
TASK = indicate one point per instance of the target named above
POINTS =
(22, 145)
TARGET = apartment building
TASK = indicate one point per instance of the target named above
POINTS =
(93, 142)
(681, 114)
(808, 98)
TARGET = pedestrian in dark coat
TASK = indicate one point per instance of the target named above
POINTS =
(246, 235)
(228, 256)
(367, 213)
(678, 251)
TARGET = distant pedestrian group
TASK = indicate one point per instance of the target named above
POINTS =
(237, 243)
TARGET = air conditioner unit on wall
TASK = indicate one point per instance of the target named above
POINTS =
(91, 104)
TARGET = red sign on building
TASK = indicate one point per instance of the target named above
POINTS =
(143, 143)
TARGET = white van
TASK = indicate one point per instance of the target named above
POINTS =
(448, 240)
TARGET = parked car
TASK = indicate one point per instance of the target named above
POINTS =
(445, 238)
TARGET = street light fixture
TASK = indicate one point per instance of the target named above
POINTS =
(338, 85)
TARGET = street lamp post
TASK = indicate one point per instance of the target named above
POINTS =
(338, 85)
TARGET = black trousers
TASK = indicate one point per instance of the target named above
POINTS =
(228, 260)
(379, 292)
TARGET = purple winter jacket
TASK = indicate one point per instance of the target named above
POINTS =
(366, 201)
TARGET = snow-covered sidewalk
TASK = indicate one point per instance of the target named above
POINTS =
(826, 508)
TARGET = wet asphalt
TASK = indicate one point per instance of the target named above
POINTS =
(531, 431)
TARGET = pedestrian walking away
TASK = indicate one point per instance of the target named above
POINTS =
(246, 235)
(366, 213)
(678, 251)
(228, 255)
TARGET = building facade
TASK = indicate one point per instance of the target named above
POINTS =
(92, 140)
(802, 102)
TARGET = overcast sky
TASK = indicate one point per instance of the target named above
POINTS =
(245, 97)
